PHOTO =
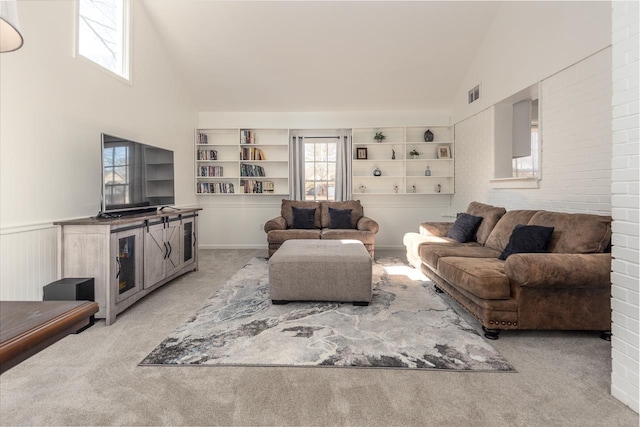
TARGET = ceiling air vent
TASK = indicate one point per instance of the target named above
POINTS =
(474, 94)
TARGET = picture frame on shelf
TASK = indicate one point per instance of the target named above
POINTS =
(444, 152)
(361, 153)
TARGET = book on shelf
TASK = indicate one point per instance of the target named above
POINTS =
(256, 186)
(247, 136)
(207, 155)
(252, 153)
(251, 170)
(211, 171)
(202, 138)
(215, 187)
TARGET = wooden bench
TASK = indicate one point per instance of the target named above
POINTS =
(26, 327)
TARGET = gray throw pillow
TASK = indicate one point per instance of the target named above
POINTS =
(527, 239)
(340, 218)
(464, 228)
(303, 218)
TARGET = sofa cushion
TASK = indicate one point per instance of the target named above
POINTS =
(303, 218)
(356, 211)
(482, 277)
(366, 237)
(280, 236)
(575, 233)
(528, 239)
(431, 254)
(490, 216)
(285, 210)
(499, 237)
(464, 228)
(340, 218)
(413, 241)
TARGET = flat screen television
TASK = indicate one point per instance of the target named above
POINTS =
(135, 177)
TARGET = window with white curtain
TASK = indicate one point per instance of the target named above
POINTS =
(320, 165)
(320, 168)
(103, 34)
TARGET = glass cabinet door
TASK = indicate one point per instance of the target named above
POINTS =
(128, 251)
(188, 241)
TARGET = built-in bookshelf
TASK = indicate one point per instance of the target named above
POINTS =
(389, 167)
(242, 161)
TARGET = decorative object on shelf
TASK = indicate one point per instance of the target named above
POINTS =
(393, 154)
(379, 137)
(438, 188)
(414, 153)
(428, 136)
(444, 152)
(377, 172)
(427, 171)
(395, 188)
(361, 153)
(362, 188)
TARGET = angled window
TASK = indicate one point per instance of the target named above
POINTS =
(103, 34)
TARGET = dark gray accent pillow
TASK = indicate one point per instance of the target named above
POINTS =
(527, 239)
(340, 218)
(303, 218)
(464, 228)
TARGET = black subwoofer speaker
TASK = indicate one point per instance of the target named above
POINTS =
(71, 289)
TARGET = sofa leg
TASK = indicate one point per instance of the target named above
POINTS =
(491, 334)
(361, 303)
(438, 290)
(278, 301)
(605, 335)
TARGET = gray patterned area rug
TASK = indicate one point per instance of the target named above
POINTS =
(407, 325)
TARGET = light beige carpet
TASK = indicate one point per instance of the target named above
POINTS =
(93, 378)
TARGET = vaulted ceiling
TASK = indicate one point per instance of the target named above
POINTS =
(321, 56)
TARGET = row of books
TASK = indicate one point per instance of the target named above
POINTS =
(207, 155)
(211, 171)
(215, 187)
(252, 153)
(247, 136)
(253, 186)
(202, 138)
(251, 170)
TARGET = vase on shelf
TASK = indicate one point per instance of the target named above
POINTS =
(427, 171)
(377, 172)
(428, 136)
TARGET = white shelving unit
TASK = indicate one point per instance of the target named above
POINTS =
(265, 154)
(403, 174)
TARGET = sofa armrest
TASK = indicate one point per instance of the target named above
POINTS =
(437, 229)
(278, 223)
(569, 270)
(367, 224)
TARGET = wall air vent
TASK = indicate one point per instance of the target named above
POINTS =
(474, 94)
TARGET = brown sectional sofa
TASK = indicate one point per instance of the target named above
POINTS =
(280, 229)
(566, 288)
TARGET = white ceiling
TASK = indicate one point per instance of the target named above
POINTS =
(321, 56)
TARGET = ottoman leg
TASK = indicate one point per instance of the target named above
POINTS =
(361, 303)
(279, 301)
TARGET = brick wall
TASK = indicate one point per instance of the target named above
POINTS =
(576, 146)
(625, 202)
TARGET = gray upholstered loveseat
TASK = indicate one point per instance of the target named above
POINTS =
(360, 227)
(565, 287)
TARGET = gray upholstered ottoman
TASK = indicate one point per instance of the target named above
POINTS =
(320, 270)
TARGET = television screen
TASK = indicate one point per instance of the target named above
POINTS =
(135, 175)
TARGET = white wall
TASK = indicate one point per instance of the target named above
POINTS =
(625, 204)
(237, 221)
(529, 41)
(53, 108)
(576, 146)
